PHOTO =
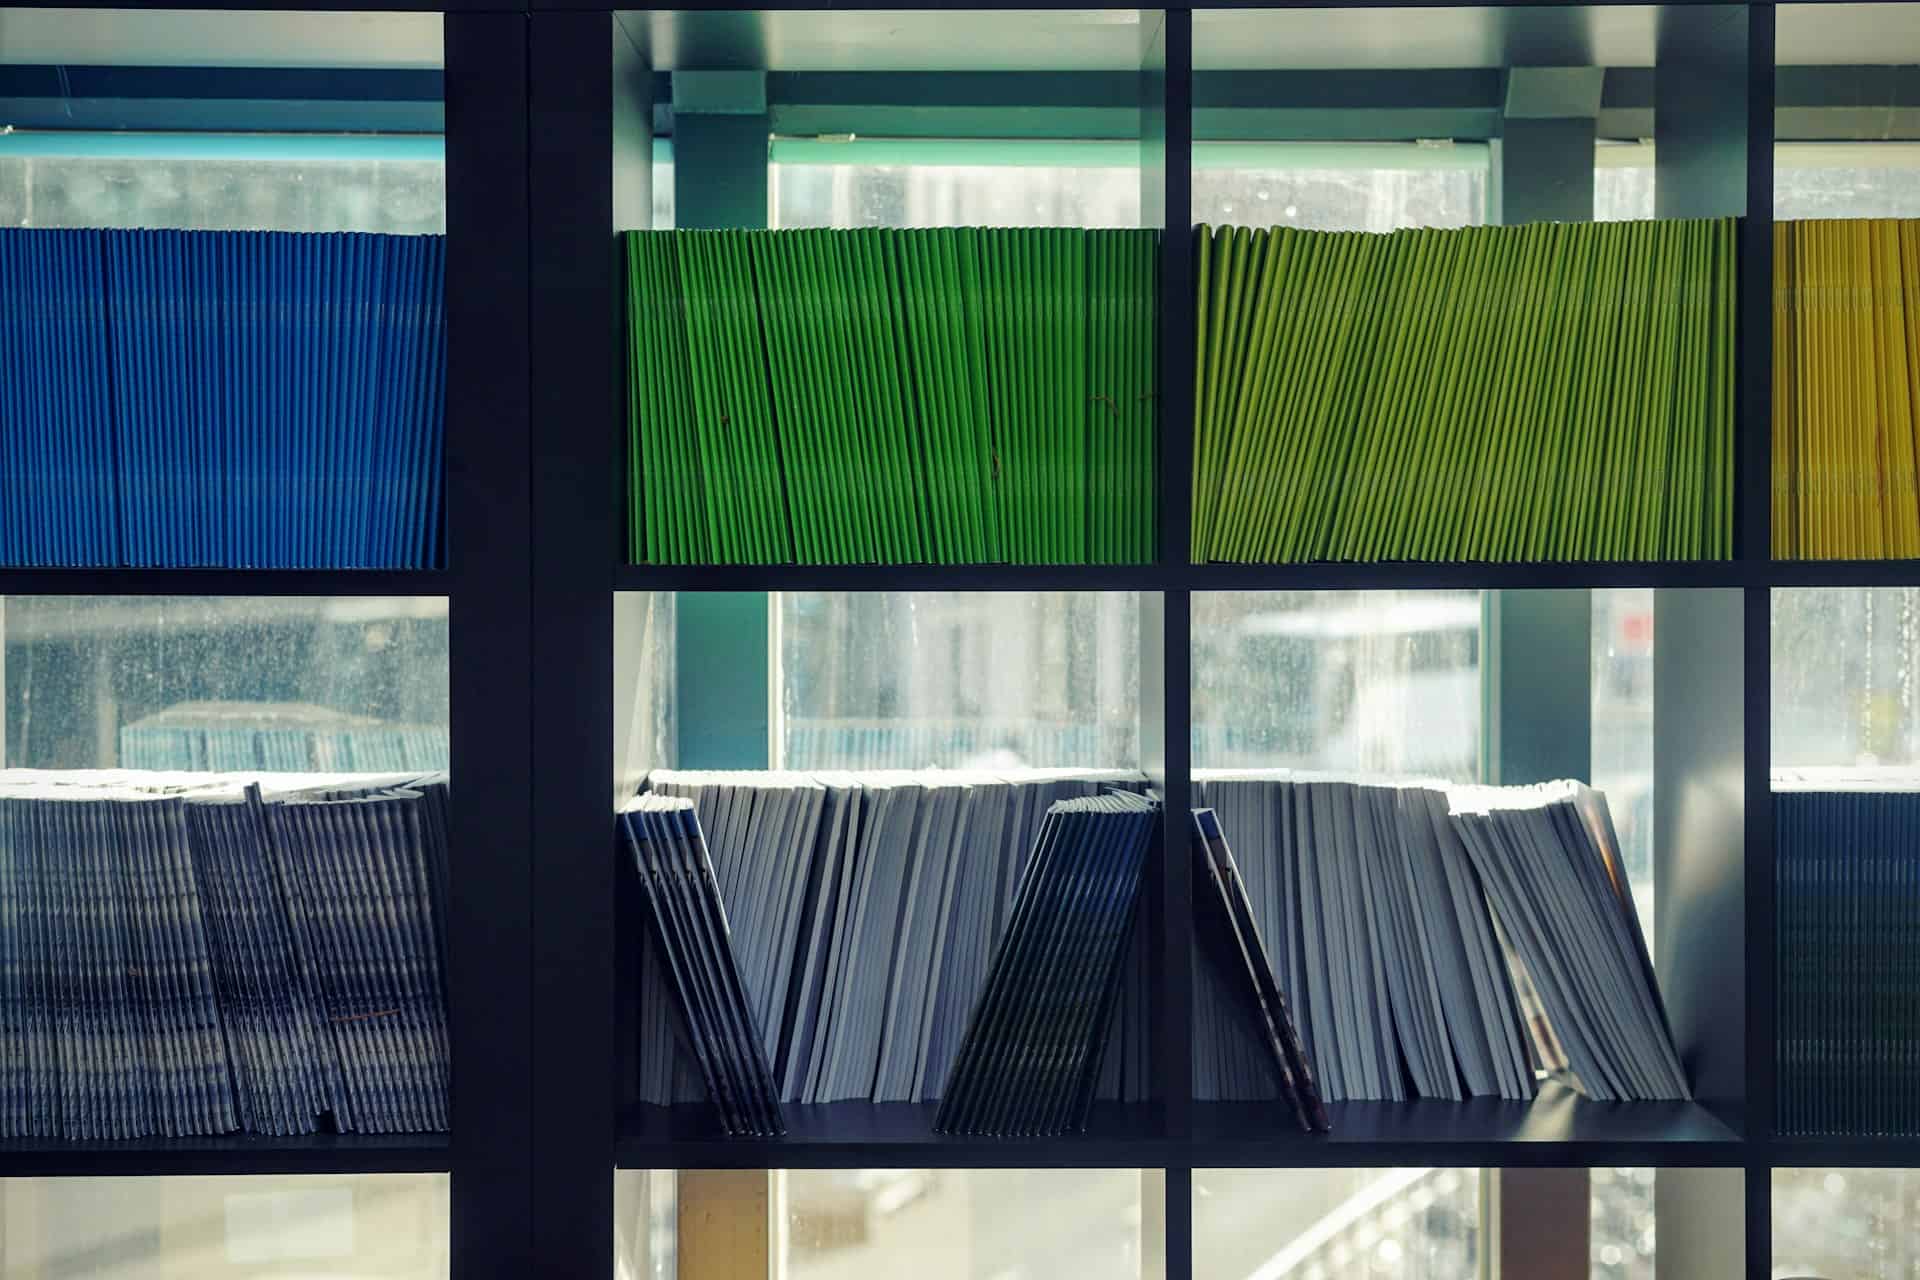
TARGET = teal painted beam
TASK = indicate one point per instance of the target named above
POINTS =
(1540, 674)
(723, 661)
(720, 171)
(1546, 171)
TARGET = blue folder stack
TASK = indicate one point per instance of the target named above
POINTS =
(1847, 867)
(236, 399)
(185, 956)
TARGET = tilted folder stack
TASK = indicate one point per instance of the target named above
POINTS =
(1556, 391)
(947, 396)
(1030, 1059)
(1437, 942)
(865, 909)
(689, 926)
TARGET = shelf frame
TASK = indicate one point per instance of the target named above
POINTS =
(535, 494)
(1737, 43)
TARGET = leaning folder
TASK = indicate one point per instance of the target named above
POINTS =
(1224, 924)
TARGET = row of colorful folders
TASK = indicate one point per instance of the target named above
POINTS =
(1846, 389)
(1552, 392)
(221, 398)
(1555, 391)
(940, 396)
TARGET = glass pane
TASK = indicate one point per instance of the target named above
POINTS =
(1361, 681)
(898, 195)
(1846, 180)
(962, 1224)
(1623, 181)
(1623, 730)
(876, 1224)
(285, 684)
(1621, 1224)
(1353, 197)
(271, 183)
(644, 1210)
(1843, 676)
(371, 1227)
(1336, 1224)
(1850, 1224)
(1000, 680)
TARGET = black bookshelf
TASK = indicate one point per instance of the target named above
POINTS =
(539, 164)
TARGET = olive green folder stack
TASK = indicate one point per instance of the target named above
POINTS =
(1558, 391)
(950, 396)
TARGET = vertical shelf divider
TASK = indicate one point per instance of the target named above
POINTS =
(1753, 531)
(1166, 199)
(1166, 180)
(489, 515)
(576, 483)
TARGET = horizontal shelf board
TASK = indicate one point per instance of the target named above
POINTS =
(1407, 574)
(1558, 1127)
(1318, 576)
(1844, 573)
(1856, 1153)
(232, 1154)
(892, 577)
(225, 582)
(855, 1135)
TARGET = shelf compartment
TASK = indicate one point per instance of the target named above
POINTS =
(228, 237)
(943, 422)
(1310, 122)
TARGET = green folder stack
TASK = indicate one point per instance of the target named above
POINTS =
(1559, 391)
(952, 396)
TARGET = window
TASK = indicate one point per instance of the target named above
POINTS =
(1341, 187)
(953, 183)
(1622, 181)
(1846, 180)
(224, 683)
(1336, 1224)
(867, 1224)
(662, 184)
(914, 680)
(1844, 665)
(1622, 729)
(1861, 1224)
(370, 1226)
(225, 182)
(1384, 682)
(1620, 1224)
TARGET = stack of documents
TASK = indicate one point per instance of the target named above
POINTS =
(231, 399)
(865, 909)
(1847, 867)
(1437, 942)
(1557, 391)
(1846, 388)
(187, 955)
(689, 927)
(1030, 1061)
(947, 396)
